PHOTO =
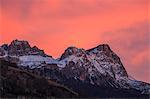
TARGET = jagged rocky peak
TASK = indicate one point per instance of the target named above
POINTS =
(72, 51)
(104, 49)
(35, 48)
(19, 48)
(100, 48)
(20, 44)
(104, 53)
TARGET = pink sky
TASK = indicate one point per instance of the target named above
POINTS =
(53, 25)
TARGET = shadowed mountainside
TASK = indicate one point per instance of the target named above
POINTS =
(17, 82)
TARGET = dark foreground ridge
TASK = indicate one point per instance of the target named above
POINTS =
(18, 82)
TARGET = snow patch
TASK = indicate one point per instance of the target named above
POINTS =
(34, 61)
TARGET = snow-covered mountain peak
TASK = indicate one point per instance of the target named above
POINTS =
(104, 50)
(101, 47)
(72, 51)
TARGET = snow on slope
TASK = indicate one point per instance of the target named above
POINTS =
(34, 61)
(145, 88)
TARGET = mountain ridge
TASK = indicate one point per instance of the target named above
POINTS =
(98, 66)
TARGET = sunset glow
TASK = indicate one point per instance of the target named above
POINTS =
(54, 25)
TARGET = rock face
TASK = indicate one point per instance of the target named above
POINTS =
(91, 73)
(97, 61)
(20, 48)
(72, 51)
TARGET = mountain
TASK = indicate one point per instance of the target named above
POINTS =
(20, 48)
(90, 73)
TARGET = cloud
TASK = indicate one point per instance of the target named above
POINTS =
(67, 8)
(17, 8)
